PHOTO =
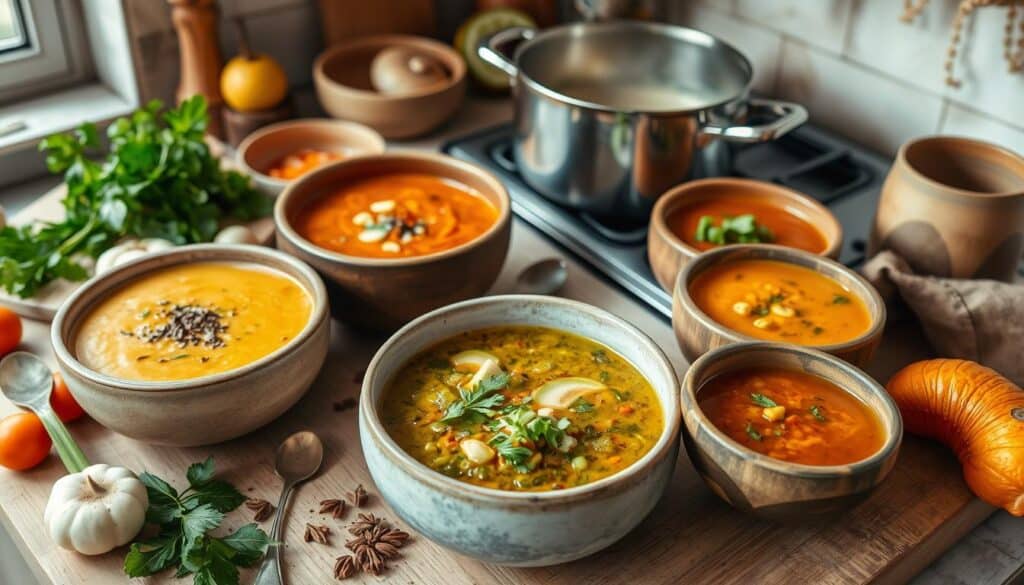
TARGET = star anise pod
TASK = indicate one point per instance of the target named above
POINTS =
(369, 560)
(316, 533)
(364, 523)
(261, 508)
(344, 567)
(336, 508)
(394, 537)
(358, 497)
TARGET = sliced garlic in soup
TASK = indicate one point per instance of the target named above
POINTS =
(471, 360)
(562, 392)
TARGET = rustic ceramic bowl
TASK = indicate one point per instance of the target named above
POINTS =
(385, 293)
(204, 410)
(770, 487)
(667, 252)
(265, 147)
(518, 528)
(697, 333)
(341, 75)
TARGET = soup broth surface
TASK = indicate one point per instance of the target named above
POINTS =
(792, 416)
(514, 438)
(192, 320)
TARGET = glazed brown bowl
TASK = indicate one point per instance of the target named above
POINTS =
(208, 409)
(341, 75)
(383, 294)
(769, 487)
(264, 148)
(697, 333)
(667, 252)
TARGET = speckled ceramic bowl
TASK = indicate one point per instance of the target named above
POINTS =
(769, 487)
(519, 528)
(203, 410)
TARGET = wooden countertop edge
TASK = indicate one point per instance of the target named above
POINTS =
(31, 561)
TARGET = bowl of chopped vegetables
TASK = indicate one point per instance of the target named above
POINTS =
(520, 430)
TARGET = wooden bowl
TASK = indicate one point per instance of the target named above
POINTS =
(697, 333)
(770, 487)
(262, 149)
(667, 252)
(341, 75)
(208, 409)
(385, 293)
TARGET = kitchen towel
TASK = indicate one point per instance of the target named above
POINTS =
(979, 320)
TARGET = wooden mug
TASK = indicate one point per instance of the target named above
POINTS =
(953, 207)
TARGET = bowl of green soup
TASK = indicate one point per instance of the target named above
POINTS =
(520, 430)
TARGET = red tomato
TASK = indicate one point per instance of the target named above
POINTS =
(63, 402)
(23, 441)
(10, 331)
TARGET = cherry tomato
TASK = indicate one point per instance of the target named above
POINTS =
(63, 403)
(23, 441)
(10, 331)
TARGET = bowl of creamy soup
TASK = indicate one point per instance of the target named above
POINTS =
(710, 213)
(196, 345)
(396, 235)
(749, 292)
(787, 432)
(520, 430)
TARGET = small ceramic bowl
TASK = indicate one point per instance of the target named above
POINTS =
(385, 293)
(264, 148)
(668, 253)
(203, 410)
(506, 527)
(697, 333)
(341, 75)
(769, 487)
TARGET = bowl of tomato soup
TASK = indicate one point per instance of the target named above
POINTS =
(786, 432)
(397, 235)
(196, 345)
(709, 213)
(520, 430)
(765, 292)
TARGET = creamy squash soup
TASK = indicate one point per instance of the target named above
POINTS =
(397, 215)
(792, 416)
(192, 320)
(522, 409)
(778, 301)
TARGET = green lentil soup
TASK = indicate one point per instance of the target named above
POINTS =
(522, 409)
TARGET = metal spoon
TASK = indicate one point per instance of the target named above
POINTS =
(543, 277)
(27, 382)
(298, 458)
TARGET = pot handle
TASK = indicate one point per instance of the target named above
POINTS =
(498, 48)
(787, 117)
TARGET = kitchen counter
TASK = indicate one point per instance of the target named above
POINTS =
(992, 553)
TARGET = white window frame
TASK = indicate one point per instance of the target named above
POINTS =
(54, 56)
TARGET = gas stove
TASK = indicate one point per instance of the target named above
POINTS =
(843, 176)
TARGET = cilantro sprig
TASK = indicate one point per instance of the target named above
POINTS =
(762, 400)
(156, 178)
(479, 403)
(519, 426)
(742, 229)
(185, 520)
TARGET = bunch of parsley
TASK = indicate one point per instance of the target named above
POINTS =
(156, 178)
(185, 519)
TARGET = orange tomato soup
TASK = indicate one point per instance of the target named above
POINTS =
(787, 228)
(792, 416)
(777, 301)
(301, 162)
(397, 215)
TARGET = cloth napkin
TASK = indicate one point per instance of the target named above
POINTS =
(979, 320)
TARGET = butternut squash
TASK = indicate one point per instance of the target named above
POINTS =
(977, 413)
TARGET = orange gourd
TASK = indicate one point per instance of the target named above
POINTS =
(977, 413)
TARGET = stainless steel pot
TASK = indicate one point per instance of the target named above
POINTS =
(610, 115)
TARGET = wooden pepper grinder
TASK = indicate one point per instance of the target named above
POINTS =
(195, 22)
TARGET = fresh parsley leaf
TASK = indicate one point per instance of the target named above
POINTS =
(762, 400)
(580, 405)
(481, 400)
(516, 455)
(149, 557)
(839, 299)
(752, 432)
(600, 356)
(817, 413)
(742, 229)
(200, 473)
(219, 494)
(163, 499)
(196, 523)
(249, 544)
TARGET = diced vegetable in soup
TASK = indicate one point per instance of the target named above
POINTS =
(767, 299)
(792, 416)
(522, 409)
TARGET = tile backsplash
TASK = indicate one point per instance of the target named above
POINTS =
(864, 73)
(861, 71)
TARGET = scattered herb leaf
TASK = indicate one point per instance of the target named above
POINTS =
(742, 229)
(752, 432)
(600, 356)
(817, 413)
(762, 400)
(840, 299)
(478, 402)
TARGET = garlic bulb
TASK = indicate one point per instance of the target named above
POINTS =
(128, 250)
(96, 510)
(236, 234)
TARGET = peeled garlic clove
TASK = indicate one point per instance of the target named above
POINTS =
(477, 451)
(372, 236)
(236, 234)
(129, 255)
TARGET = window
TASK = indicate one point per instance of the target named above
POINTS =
(39, 47)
